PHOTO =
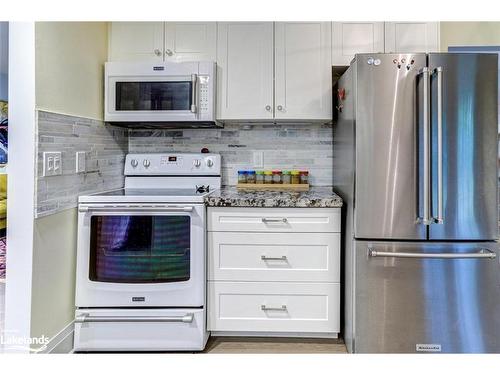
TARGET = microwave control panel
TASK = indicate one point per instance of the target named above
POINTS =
(204, 94)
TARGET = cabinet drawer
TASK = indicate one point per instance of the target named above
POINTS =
(274, 307)
(274, 256)
(311, 220)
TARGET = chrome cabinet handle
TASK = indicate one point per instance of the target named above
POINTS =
(268, 107)
(157, 52)
(169, 52)
(280, 108)
(264, 258)
(279, 220)
(85, 318)
(481, 254)
(265, 308)
(194, 91)
(439, 75)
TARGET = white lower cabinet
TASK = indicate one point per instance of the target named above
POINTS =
(274, 307)
(274, 277)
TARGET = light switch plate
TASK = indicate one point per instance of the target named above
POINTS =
(258, 159)
(52, 163)
(80, 162)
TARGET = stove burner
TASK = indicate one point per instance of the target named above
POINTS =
(202, 189)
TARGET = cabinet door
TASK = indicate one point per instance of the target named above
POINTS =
(350, 38)
(303, 70)
(245, 70)
(190, 41)
(133, 41)
(408, 37)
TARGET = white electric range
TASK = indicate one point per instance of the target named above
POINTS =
(141, 256)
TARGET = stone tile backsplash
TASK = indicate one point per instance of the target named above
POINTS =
(306, 146)
(105, 147)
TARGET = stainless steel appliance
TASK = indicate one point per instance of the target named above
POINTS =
(158, 95)
(415, 159)
(141, 278)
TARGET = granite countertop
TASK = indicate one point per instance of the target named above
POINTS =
(320, 196)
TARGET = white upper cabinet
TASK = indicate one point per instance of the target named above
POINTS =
(350, 38)
(136, 41)
(404, 37)
(303, 70)
(245, 70)
(190, 41)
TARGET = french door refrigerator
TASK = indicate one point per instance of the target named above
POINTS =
(415, 159)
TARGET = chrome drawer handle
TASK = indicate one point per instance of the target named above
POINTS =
(85, 318)
(283, 258)
(279, 220)
(265, 308)
(481, 254)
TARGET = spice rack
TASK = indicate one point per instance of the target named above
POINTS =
(274, 187)
(276, 180)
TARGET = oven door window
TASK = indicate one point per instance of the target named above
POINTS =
(140, 249)
(153, 96)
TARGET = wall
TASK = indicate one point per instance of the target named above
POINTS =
(54, 263)
(4, 59)
(469, 34)
(105, 148)
(69, 67)
(307, 146)
(69, 80)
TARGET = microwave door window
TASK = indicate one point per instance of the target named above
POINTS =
(154, 96)
(140, 249)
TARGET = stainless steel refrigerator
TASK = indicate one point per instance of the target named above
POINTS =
(415, 159)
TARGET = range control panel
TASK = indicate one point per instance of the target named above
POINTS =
(174, 164)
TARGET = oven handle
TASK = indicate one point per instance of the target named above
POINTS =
(84, 208)
(85, 318)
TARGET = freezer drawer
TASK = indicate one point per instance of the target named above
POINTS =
(427, 297)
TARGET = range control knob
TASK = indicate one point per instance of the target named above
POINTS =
(197, 163)
(146, 163)
(134, 163)
(210, 163)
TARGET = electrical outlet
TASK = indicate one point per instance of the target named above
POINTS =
(258, 159)
(80, 162)
(52, 163)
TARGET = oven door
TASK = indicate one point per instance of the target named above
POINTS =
(152, 98)
(140, 255)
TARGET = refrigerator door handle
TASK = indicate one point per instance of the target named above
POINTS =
(439, 75)
(481, 254)
(427, 217)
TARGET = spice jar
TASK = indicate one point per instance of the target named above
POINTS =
(304, 177)
(276, 177)
(250, 177)
(242, 177)
(295, 177)
(286, 177)
(259, 177)
(268, 177)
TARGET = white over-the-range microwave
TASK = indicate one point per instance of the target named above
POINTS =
(145, 94)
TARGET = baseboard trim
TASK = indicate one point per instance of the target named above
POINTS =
(61, 342)
(276, 334)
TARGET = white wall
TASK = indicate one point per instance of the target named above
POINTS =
(21, 181)
(70, 60)
(69, 79)
(469, 34)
